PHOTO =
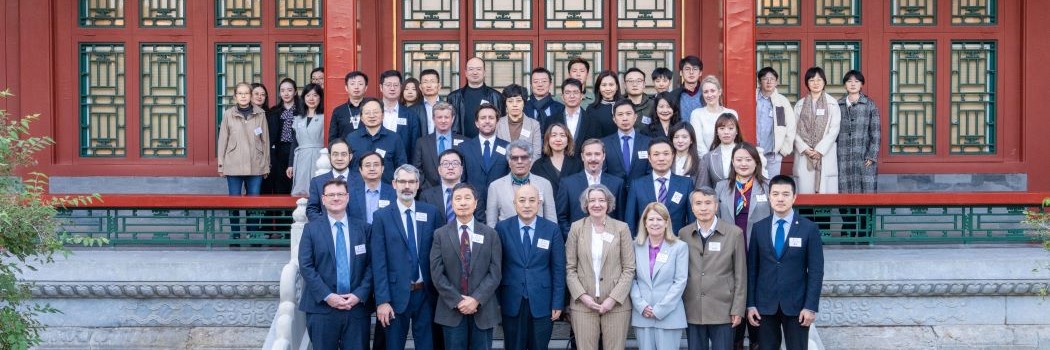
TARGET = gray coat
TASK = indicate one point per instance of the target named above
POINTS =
(758, 209)
(859, 138)
(486, 272)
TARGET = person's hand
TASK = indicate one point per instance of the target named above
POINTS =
(806, 318)
(266, 175)
(589, 302)
(385, 314)
(817, 155)
(555, 314)
(735, 320)
(289, 172)
(351, 300)
(648, 312)
(607, 305)
(220, 174)
(752, 317)
(335, 301)
(868, 163)
(467, 306)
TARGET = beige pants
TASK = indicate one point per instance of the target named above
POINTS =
(611, 327)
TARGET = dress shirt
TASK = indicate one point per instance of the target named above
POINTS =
(521, 230)
(429, 106)
(345, 174)
(390, 116)
(596, 261)
(679, 165)
(634, 137)
(593, 180)
(346, 239)
(572, 121)
(448, 142)
(491, 140)
(653, 252)
(667, 185)
(371, 201)
(420, 252)
(787, 226)
(470, 233)
(710, 231)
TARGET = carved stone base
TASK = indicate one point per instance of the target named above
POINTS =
(73, 338)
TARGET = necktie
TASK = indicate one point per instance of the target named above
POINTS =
(778, 240)
(449, 214)
(526, 243)
(486, 154)
(464, 260)
(341, 177)
(626, 149)
(411, 228)
(441, 144)
(342, 261)
(663, 189)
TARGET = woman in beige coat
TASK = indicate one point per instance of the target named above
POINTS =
(243, 150)
(600, 266)
(816, 154)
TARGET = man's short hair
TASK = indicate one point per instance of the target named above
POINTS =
(466, 185)
(705, 190)
(355, 74)
(574, 82)
(427, 72)
(445, 106)
(634, 70)
(390, 73)
(783, 180)
(542, 70)
(411, 169)
(361, 162)
(592, 141)
(522, 145)
(767, 70)
(513, 90)
(338, 141)
(622, 102)
(692, 60)
(318, 69)
(662, 72)
(337, 182)
(578, 60)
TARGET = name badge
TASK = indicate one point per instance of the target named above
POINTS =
(820, 112)
(714, 246)
(661, 257)
(402, 121)
(456, 142)
(543, 243)
(484, 102)
(646, 120)
(355, 121)
(421, 216)
(794, 242)
(643, 154)
(501, 150)
(382, 152)
(608, 237)
(526, 133)
(359, 249)
(476, 238)
(258, 131)
(383, 203)
(676, 198)
(761, 198)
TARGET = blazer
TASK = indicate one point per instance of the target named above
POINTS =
(499, 204)
(663, 289)
(425, 157)
(314, 208)
(618, 265)
(486, 257)
(480, 175)
(420, 110)
(544, 167)
(530, 131)
(791, 283)
(540, 276)
(639, 156)
(717, 285)
(393, 261)
(317, 266)
(568, 198)
(711, 163)
(758, 205)
(408, 129)
(586, 128)
(643, 192)
(357, 206)
(435, 196)
(464, 122)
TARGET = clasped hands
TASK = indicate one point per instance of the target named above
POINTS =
(342, 301)
(606, 305)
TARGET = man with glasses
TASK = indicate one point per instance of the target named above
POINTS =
(467, 99)
(370, 194)
(450, 166)
(397, 117)
(644, 106)
(428, 147)
(430, 86)
(500, 202)
(541, 105)
(687, 96)
(317, 76)
(402, 235)
(339, 155)
(775, 119)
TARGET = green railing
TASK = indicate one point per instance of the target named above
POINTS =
(891, 218)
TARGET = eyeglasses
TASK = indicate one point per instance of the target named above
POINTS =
(451, 164)
(406, 182)
(520, 158)
(372, 165)
(769, 79)
(391, 85)
(335, 195)
(634, 81)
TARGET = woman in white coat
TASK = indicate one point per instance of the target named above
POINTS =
(816, 159)
(662, 268)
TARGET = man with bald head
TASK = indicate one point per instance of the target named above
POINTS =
(532, 293)
(466, 100)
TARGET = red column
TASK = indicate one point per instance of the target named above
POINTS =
(1034, 122)
(340, 48)
(738, 61)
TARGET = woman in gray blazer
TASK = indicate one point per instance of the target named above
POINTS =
(662, 263)
(718, 158)
(743, 196)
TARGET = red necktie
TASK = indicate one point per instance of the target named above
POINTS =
(464, 260)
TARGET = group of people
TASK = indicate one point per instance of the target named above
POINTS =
(518, 207)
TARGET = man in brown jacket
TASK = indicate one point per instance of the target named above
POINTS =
(715, 293)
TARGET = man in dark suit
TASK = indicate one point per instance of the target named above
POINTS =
(466, 100)
(662, 186)
(428, 147)
(334, 264)
(339, 156)
(465, 263)
(397, 117)
(628, 157)
(450, 166)
(347, 117)
(402, 235)
(572, 117)
(374, 137)
(484, 156)
(532, 292)
(370, 194)
(568, 196)
(785, 270)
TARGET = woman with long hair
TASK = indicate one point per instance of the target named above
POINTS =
(686, 159)
(816, 150)
(666, 116)
(719, 157)
(260, 96)
(559, 155)
(308, 140)
(600, 112)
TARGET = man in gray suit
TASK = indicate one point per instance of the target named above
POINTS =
(716, 258)
(500, 202)
(465, 265)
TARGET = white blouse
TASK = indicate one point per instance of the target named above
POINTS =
(596, 259)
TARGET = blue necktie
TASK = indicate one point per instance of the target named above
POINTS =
(412, 244)
(663, 189)
(342, 261)
(486, 154)
(778, 241)
(526, 242)
(626, 149)
(441, 144)
(449, 213)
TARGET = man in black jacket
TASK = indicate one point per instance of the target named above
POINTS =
(467, 99)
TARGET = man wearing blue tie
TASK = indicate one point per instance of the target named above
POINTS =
(486, 155)
(337, 280)
(785, 270)
(401, 238)
(532, 292)
(628, 157)
(430, 146)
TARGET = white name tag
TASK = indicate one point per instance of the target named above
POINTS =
(646, 120)
(608, 237)
(714, 246)
(484, 102)
(421, 216)
(761, 198)
(402, 121)
(795, 242)
(676, 198)
(258, 131)
(643, 154)
(543, 243)
(382, 152)
(383, 203)
(661, 257)
(456, 142)
(820, 112)
(525, 133)
(355, 121)
(501, 150)
(359, 249)
(476, 238)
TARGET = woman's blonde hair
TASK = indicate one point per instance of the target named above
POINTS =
(643, 234)
(711, 79)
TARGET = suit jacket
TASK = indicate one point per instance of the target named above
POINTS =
(586, 128)
(464, 122)
(717, 286)
(758, 205)
(500, 201)
(486, 258)
(662, 289)
(392, 260)
(614, 159)
(425, 157)
(618, 265)
(409, 130)
(435, 196)
(480, 175)
(314, 208)
(791, 283)
(541, 275)
(568, 198)
(711, 163)
(643, 192)
(420, 110)
(530, 132)
(357, 207)
(317, 266)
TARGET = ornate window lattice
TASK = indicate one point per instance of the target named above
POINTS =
(912, 97)
(299, 13)
(973, 117)
(645, 14)
(503, 14)
(163, 13)
(440, 56)
(431, 14)
(913, 12)
(645, 55)
(297, 60)
(783, 56)
(163, 96)
(234, 63)
(102, 101)
(574, 14)
(102, 13)
(560, 53)
(838, 12)
(974, 12)
(505, 62)
(238, 13)
(777, 12)
(837, 58)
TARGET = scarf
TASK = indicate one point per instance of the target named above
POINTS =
(742, 188)
(811, 130)
(514, 180)
(540, 106)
